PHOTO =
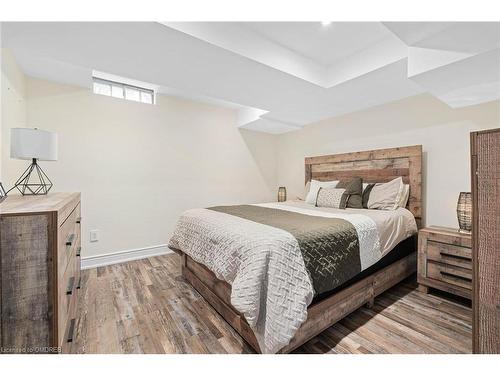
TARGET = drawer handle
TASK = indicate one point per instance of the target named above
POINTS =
(79, 283)
(70, 239)
(453, 256)
(79, 220)
(71, 330)
(71, 283)
(454, 277)
(78, 251)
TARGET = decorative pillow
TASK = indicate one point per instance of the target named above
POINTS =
(314, 188)
(353, 192)
(386, 196)
(330, 197)
(366, 194)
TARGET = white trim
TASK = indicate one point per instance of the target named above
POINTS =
(124, 256)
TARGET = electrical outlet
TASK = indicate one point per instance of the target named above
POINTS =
(94, 235)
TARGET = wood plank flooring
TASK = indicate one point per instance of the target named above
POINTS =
(145, 306)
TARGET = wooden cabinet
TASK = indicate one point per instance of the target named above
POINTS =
(40, 272)
(485, 165)
(445, 260)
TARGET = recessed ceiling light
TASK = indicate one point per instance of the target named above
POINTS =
(326, 23)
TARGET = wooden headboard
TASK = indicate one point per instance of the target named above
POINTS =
(374, 166)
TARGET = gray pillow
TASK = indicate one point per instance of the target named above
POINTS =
(353, 192)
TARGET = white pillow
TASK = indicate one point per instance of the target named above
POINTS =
(315, 186)
(386, 196)
(302, 196)
(405, 196)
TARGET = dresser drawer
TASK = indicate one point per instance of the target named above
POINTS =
(69, 330)
(450, 274)
(449, 254)
(68, 239)
(67, 293)
(69, 307)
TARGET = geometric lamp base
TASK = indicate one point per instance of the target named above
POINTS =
(33, 181)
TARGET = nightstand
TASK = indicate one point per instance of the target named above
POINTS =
(445, 260)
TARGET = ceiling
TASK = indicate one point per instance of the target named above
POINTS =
(280, 76)
(324, 44)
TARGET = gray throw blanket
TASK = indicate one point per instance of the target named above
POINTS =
(329, 246)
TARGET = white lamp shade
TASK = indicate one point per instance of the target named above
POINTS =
(30, 144)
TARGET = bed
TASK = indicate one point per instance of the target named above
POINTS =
(281, 273)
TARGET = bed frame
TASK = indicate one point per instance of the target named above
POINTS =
(373, 166)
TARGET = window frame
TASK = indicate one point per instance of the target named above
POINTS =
(124, 86)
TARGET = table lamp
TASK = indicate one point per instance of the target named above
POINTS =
(464, 212)
(33, 144)
(281, 194)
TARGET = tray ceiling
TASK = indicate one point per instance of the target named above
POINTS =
(279, 75)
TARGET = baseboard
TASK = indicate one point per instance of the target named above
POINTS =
(123, 256)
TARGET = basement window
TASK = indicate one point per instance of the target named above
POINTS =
(123, 91)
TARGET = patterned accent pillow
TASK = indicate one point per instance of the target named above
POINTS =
(330, 197)
(314, 187)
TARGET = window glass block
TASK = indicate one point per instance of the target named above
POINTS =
(132, 94)
(146, 97)
(117, 91)
(102, 88)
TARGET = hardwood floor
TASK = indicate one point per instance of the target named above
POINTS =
(145, 306)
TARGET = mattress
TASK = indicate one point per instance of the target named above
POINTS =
(401, 250)
(278, 256)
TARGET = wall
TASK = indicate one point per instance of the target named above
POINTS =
(13, 103)
(443, 132)
(139, 166)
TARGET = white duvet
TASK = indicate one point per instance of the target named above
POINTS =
(270, 285)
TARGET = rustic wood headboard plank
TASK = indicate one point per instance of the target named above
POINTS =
(368, 175)
(362, 164)
(373, 166)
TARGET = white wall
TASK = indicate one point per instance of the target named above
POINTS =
(13, 103)
(139, 166)
(443, 132)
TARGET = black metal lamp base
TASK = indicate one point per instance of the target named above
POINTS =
(33, 181)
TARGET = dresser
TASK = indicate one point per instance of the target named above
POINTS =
(485, 177)
(40, 272)
(445, 260)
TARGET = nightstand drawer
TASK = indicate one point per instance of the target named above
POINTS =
(458, 276)
(449, 254)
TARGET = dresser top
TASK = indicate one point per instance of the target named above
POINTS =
(18, 204)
